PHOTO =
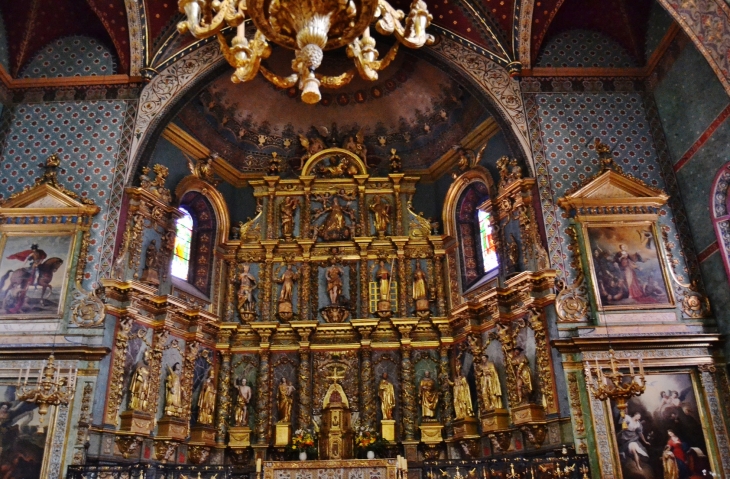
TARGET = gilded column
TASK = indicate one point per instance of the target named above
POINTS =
(231, 291)
(304, 417)
(448, 401)
(271, 214)
(306, 216)
(367, 387)
(363, 209)
(398, 212)
(364, 287)
(409, 394)
(263, 399)
(223, 408)
(155, 365)
(120, 354)
(410, 306)
(266, 300)
(304, 300)
(402, 281)
(438, 261)
(186, 382)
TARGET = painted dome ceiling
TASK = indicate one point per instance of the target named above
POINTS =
(414, 107)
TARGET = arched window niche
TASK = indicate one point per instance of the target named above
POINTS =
(198, 231)
(468, 218)
(720, 213)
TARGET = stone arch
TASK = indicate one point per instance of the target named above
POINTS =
(171, 85)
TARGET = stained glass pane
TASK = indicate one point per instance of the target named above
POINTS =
(489, 251)
(183, 239)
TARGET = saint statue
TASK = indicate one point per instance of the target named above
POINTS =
(149, 274)
(173, 395)
(140, 387)
(428, 396)
(488, 383)
(244, 397)
(386, 394)
(333, 276)
(287, 208)
(462, 397)
(381, 214)
(206, 400)
(334, 227)
(382, 277)
(287, 280)
(285, 401)
(523, 375)
(246, 301)
(419, 283)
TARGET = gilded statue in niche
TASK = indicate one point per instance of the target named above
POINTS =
(140, 387)
(149, 274)
(386, 393)
(488, 383)
(287, 209)
(173, 391)
(462, 396)
(334, 227)
(382, 278)
(246, 288)
(285, 400)
(523, 375)
(287, 281)
(334, 275)
(242, 400)
(428, 396)
(381, 214)
(206, 400)
(420, 289)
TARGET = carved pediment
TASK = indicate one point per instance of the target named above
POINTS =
(43, 200)
(610, 190)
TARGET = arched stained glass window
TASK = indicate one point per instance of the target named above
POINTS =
(183, 240)
(489, 251)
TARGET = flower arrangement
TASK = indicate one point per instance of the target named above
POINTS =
(304, 440)
(367, 439)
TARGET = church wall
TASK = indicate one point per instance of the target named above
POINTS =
(583, 48)
(4, 52)
(77, 55)
(693, 108)
(565, 125)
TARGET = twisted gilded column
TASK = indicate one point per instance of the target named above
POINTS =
(267, 282)
(230, 291)
(448, 401)
(304, 417)
(402, 282)
(223, 407)
(438, 261)
(367, 387)
(263, 398)
(408, 379)
(114, 400)
(305, 290)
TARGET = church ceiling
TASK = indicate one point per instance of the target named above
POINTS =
(34, 24)
(245, 124)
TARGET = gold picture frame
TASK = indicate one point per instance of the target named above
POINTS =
(627, 266)
(658, 434)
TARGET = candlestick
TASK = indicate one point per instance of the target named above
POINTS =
(641, 365)
(258, 464)
(631, 367)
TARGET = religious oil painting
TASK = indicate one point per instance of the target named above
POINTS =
(628, 269)
(22, 437)
(662, 436)
(33, 275)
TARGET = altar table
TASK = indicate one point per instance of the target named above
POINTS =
(342, 469)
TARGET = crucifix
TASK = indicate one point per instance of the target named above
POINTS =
(335, 376)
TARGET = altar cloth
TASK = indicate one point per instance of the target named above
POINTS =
(342, 469)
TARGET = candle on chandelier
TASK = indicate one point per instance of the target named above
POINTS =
(641, 365)
(258, 465)
(631, 367)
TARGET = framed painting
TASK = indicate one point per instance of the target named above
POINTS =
(23, 440)
(663, 435)
(34, 273)
(627, 269)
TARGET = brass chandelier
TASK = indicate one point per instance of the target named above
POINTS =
(616, 385)
(52, 389)
(309, 27)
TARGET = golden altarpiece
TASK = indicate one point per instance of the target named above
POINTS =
(338, 309)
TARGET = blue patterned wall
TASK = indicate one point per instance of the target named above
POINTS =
(659, 23)
(564, 128)
(71, 56)
(91, 138)
(583, 48)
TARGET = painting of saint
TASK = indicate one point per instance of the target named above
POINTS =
(33, 275)
(627, 267)
(22, 440)
(661, 436)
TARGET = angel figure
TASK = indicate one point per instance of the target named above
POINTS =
(203, 168)
(356, 144)
(311, 146)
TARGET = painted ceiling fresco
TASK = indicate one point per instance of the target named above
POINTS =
(414, 107)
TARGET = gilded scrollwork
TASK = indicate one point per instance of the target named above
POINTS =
(575, 403)
(542, 357)
(571, 303)
(114, 400)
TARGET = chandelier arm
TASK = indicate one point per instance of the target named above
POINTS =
(230, 12)
(334, 82)
(413, 34)
(245, 56)
(278, 80)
